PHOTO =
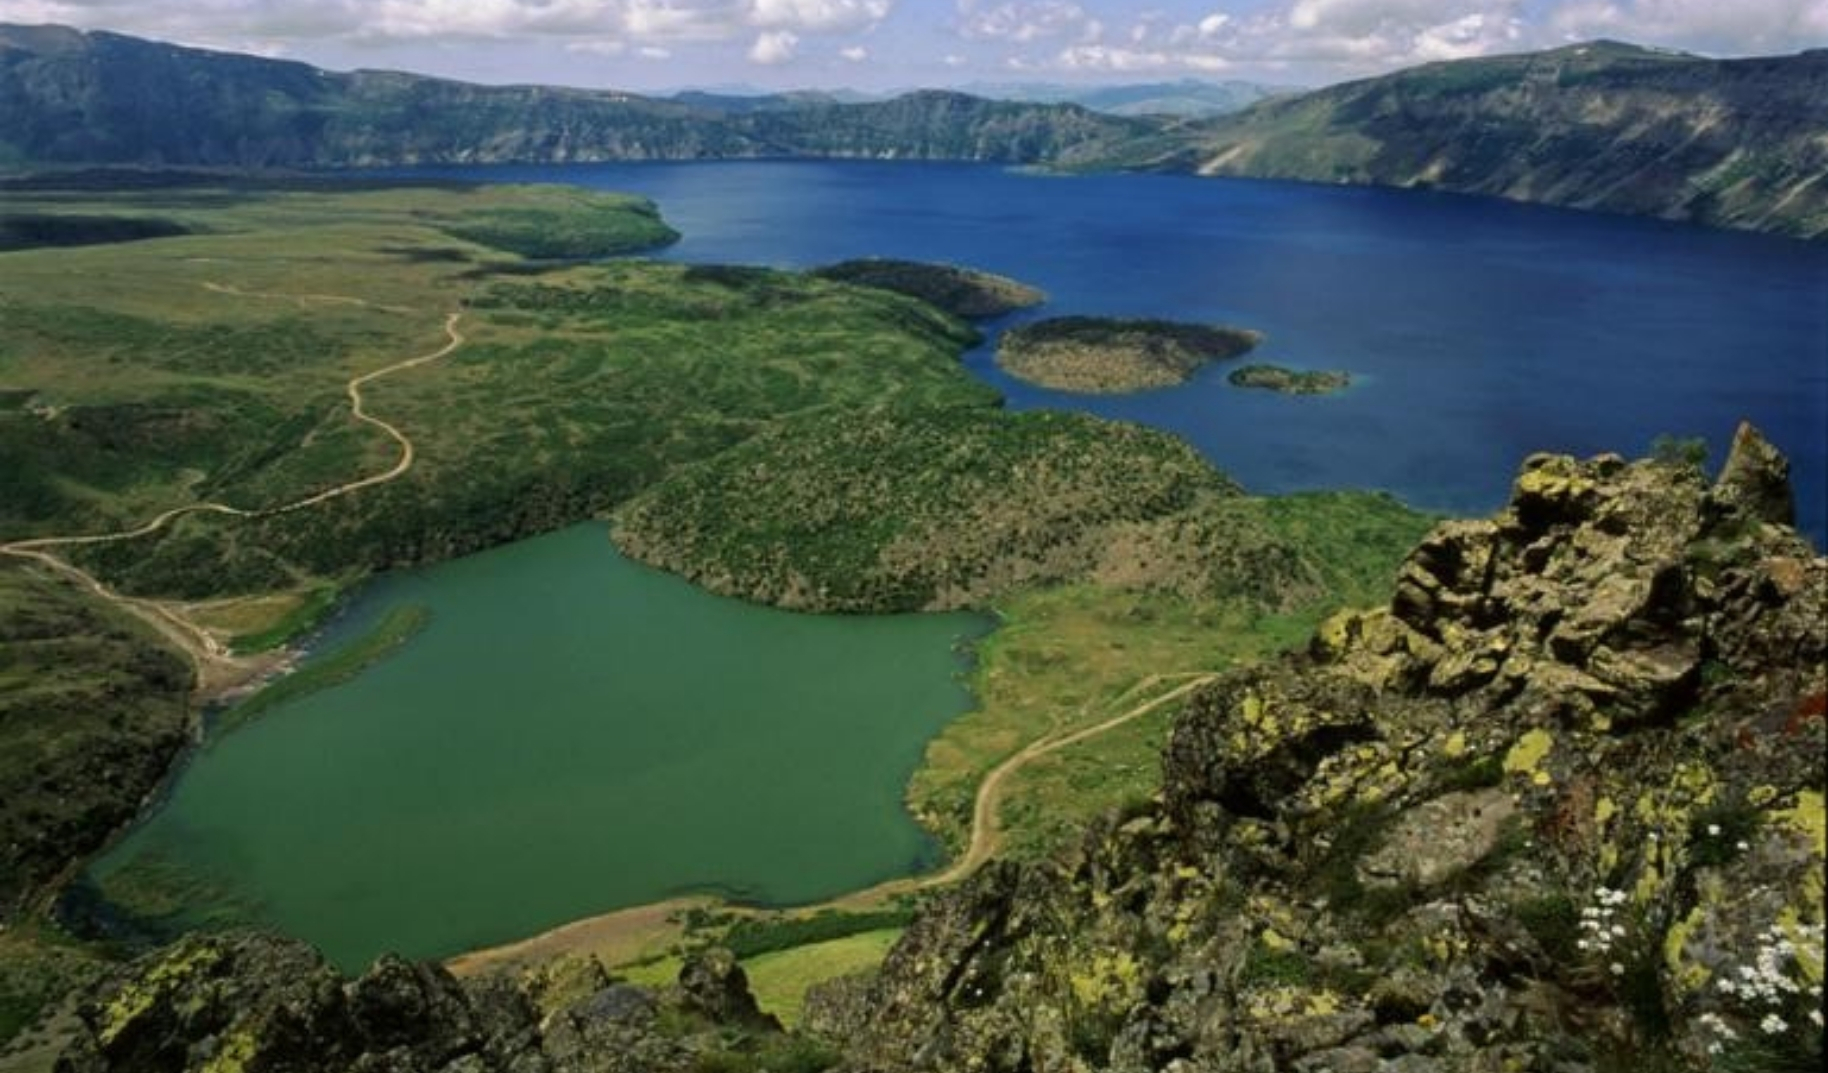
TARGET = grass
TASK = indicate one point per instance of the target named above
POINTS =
(779, 980)
(38, 969)
(272, 621)
(1064, 656)
(395, 629)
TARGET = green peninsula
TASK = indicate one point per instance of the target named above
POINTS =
(1109, 355)
(1290, 381)
(962, 292)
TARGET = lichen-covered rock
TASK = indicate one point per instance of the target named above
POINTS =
(258, 1004)
(1559, 806)
(714, 985)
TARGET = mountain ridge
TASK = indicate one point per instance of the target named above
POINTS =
(1603, 125)
(71, 97)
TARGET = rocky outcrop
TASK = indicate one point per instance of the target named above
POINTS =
(228, 1004)
(1558, 806)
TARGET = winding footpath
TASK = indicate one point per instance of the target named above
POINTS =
(216, 666)
(626, 935)
(986, 828)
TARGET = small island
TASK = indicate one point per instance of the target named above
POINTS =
(1107, 355)
(962, 292)
(1290, 381)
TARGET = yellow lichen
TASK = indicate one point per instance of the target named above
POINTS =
(1112, 980)
(141, 995)
(1455, 745)
(1275, 940)
(1292, 1004)
(1808, 954)
(1603, 811)
(236, 1052)
(1808, 817)
(1527, 755)
(1685, 977)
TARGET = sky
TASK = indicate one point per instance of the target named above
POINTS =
(654, 45)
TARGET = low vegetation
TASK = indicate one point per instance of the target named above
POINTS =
(92, 710)
(1290, 381)
(348, 660)
(1071, 656)
(955, 507)
(962, 292)
(1105, 355)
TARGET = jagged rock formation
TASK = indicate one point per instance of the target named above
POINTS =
(1603, 125)
(236, 1003)
(1556, 807)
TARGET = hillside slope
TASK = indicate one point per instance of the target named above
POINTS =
(1558, 806)
(1734, 143)
(68, 97)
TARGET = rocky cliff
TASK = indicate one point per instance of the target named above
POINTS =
(1734, 143)
(1559, 806)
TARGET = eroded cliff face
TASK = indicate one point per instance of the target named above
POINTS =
(1558, 806)
(1733, 143)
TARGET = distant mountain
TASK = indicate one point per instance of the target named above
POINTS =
(68, 97)
(1188, 97)
(1734, 143)
(765, 101)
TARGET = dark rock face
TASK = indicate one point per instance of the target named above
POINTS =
(1544, 811)
(253, 1003)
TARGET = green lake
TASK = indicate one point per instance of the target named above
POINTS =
(571, 733)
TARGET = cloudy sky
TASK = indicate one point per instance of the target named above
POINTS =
(878, 44)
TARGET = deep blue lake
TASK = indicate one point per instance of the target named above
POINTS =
(1479, 331)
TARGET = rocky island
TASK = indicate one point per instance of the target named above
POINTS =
(962, 292)
(1109, 355)
(1290, 381)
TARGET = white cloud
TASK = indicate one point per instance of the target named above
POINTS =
(1713, 27)
(855, 53)
(655, 52)
(1023, 21)
(1104, 58)
(774, 47)
(819, 16)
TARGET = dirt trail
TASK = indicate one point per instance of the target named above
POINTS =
(649, 928)
(986, 828)
(218, 668)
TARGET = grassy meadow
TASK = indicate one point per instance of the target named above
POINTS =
(789, 438)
